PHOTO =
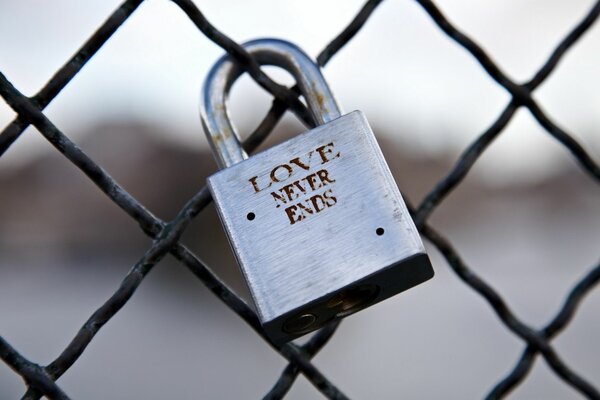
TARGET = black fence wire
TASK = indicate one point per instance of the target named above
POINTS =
(41, 380)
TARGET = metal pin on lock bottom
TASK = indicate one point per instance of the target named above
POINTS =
(317, 223)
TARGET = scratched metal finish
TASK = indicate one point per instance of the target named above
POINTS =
(289, 265)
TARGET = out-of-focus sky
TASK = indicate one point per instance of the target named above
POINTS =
(401, 70)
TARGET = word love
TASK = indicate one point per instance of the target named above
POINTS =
(307, 189)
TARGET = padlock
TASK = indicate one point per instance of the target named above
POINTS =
(317, 223)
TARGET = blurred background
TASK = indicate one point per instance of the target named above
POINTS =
(526, 218)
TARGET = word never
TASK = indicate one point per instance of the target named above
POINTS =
(301, 187)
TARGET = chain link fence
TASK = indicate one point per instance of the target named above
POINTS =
(41, 380)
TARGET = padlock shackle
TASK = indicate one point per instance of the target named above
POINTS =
(217, 124)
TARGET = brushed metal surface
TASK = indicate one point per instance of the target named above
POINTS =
(298, 268)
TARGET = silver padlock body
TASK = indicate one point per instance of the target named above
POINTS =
(319, 227)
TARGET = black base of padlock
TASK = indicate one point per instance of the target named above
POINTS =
(361, 294)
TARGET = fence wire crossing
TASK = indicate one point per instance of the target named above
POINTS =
(41, 380)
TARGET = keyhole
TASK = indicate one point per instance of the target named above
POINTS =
(250, 216)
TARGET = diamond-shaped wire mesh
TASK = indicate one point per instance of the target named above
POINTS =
(41, 380)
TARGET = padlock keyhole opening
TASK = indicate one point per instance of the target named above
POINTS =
(303, 323)
(340, 305)
(352, 300)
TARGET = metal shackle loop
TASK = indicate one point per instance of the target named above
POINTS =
(217, 124)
